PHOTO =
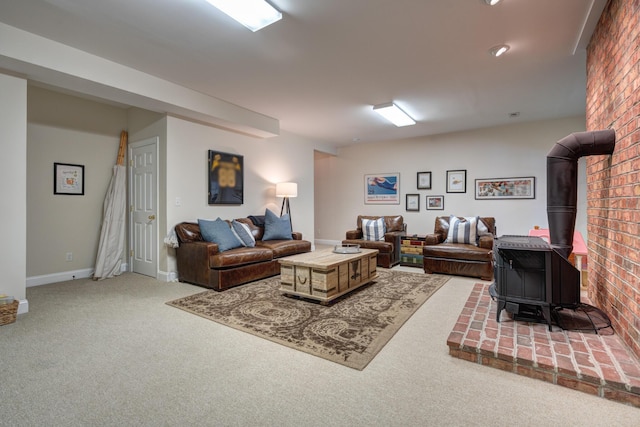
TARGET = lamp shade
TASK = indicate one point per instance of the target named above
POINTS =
(286, 189)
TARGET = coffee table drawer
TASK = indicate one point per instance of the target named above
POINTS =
(295, 278)
(324, 283)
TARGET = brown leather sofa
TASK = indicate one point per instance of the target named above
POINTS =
(458, 258)
(201, 263)
(389, 249)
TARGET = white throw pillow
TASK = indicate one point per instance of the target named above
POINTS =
(483, 230)
(463, 230)
(373, 229)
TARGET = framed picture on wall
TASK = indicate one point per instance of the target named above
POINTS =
(226, 176)
(68, 179)
(457, 181)
(435, 203)
(424, 180)
(506, 188)
(413, 202)
(382, 189)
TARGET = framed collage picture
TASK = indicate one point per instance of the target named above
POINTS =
(505, 188)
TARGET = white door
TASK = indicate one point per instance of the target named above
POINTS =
(143, 206)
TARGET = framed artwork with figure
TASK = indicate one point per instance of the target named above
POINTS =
(382, 188)
(225, 178)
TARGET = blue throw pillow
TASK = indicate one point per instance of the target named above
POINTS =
(219, 232)
(275, 227)
(242, 232)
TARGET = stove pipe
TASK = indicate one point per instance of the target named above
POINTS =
(562, 182)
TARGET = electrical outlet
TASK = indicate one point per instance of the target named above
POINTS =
(69, 256)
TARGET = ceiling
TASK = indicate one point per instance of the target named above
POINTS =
(322, 67)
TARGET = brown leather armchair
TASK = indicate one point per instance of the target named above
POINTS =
(459, 258)
(389, 248)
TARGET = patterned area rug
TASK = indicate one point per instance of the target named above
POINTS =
(350, 331)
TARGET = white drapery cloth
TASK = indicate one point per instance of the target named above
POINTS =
(112, 235)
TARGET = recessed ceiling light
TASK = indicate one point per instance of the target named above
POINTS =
(394, 114)
(499, 50)
(492, 2)
(253, 14)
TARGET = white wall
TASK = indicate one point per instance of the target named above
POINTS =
(67, 129)
(266, 162)
(13, 175)
(505, 151)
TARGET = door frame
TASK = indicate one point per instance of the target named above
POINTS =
(154, 140)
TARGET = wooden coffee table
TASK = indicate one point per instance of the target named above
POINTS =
(324, 275)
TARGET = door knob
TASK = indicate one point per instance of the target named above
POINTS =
(152, 217)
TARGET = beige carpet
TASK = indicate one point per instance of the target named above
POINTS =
(350, 331)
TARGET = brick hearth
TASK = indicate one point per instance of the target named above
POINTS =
(597, 364)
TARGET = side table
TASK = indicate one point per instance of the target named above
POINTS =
(411, 251)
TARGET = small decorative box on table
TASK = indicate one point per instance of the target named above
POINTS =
(411, 251)
(327, 274)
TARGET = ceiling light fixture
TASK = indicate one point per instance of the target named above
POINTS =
(499, 50)
(394, 114)
(253, 14)
(492, 2)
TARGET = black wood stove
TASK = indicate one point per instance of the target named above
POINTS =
(532, 275)
(532, 278)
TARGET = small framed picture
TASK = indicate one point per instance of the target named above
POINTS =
(424, 180)
(435, 203)
(457, 181)
(68, 179)
(413, 202)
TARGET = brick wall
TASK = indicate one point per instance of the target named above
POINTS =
(613, 195)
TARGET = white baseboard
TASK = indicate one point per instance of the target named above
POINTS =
(328, 242)
(45, 279)
(23, 306)
(170, 276)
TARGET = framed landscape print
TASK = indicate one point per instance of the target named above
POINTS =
(435, 203)
(457, 181)
(424, 180)
(413, 202)
(225, 178)
(68, 179)
(382, 188)
(506, 188)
